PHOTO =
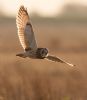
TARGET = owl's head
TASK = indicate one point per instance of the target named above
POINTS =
(41, 53)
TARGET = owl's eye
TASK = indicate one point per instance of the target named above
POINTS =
(42, 51)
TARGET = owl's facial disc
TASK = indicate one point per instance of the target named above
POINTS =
(42, 53)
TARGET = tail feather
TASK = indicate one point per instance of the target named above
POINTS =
(21, 55)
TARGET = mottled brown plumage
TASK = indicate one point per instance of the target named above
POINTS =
(27, 39)
(25, 30)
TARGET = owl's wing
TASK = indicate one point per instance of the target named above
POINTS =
(57, 59)
(25, 30)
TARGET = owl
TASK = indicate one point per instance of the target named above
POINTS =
(27, 39)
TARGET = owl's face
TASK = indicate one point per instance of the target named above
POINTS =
(41, 53)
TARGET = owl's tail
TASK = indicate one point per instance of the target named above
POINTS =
(21, 55)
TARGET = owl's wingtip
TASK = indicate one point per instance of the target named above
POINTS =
(72, 65)
(21, 6)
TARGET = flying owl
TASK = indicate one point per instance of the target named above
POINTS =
(27, 39)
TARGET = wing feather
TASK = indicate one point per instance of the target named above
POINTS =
(25, 30)
(56, 59)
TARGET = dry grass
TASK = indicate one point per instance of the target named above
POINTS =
(26, 79)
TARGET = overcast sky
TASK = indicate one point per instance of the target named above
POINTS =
(42, 7)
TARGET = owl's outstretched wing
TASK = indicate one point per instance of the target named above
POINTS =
(25, 30)
(57, 59)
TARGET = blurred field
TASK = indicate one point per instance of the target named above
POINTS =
(27, 79)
